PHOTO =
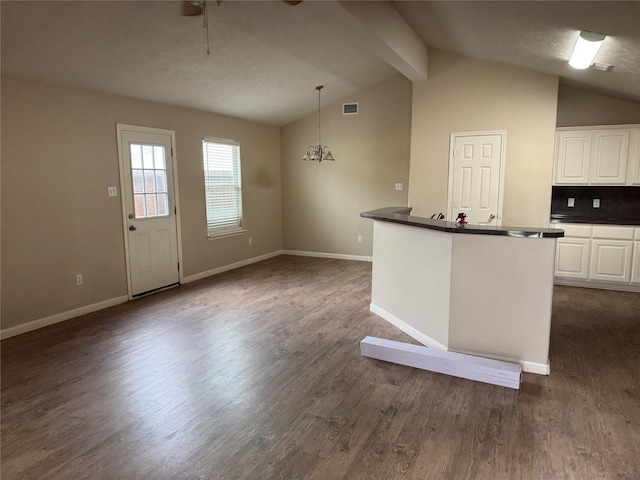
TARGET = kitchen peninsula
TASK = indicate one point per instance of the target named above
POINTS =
(474, 289)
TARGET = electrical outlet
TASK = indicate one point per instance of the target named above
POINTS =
(250, 241)
(79, 279)
(596, 203)
(112, 191)
(571, 202)
(359, 238)
(398, 186)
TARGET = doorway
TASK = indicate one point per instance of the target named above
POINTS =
(476, 179)
(149, 206)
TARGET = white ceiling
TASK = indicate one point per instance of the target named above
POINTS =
(268, 56)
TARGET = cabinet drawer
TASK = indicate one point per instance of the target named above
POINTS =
(573, 230)
(615, 233)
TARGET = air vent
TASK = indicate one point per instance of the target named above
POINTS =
(603, 67)
(350, 109)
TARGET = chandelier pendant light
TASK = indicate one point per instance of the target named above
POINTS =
(318, 153)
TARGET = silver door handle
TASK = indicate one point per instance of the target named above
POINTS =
(491, 217)
(132, 227)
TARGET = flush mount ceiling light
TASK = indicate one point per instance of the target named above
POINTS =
(318, 153)
(585, 50)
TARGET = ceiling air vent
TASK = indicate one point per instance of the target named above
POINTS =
(350, 109)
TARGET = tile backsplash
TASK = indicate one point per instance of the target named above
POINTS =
(614, 202)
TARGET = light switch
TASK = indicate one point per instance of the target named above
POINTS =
(112, 191)
(398, 186)
(596, 203)
(571, 202)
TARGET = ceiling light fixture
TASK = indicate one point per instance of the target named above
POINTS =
(318, 153)
(585, 50)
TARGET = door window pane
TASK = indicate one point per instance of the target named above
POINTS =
(149, 177)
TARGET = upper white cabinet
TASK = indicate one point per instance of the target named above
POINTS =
(573, 157)
(609, 157)
(597, 156)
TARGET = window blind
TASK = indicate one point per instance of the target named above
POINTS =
(222, 180)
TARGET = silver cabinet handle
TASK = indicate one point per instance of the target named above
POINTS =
(132, 227)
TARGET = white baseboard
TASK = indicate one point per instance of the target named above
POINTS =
(61, 317)
(337, 256)
(529, 367)
(231, 266)
(406, 328)
(576, 282)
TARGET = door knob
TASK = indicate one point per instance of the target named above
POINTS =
(132, 227)
(491, 217)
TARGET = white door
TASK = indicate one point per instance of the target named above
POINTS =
(610, 154)
(611, 260)
(573, 157)
(149, 207)
(572, 257)
(475, 177)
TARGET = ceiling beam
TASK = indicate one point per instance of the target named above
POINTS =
(389, 36)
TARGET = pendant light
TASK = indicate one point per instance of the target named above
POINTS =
(318, 153)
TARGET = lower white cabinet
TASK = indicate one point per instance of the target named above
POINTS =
(635, 276)
(599, 256)
(611, 260)
(572, 257)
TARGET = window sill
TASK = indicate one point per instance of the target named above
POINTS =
(233, 233)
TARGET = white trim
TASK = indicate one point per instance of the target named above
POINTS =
(529, 367)
(572, 282)
(231, 266)
(538, 368)
(61, 317)
(503, 150)
(121, 127)
(337, 256)
(622, 126)
(406, 328)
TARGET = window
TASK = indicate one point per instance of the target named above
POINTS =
(149, 174)
(222, 183)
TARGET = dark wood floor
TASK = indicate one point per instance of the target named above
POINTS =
(256, 374)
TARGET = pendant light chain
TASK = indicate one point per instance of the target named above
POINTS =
(319, 142)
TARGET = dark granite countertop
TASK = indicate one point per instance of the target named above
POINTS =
(401, 215)
(595, 221)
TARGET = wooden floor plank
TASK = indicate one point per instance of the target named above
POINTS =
(257, 374)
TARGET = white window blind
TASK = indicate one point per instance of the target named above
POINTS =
(223, 185)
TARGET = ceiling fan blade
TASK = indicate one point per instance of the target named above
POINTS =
(292, 2)
(191, 9)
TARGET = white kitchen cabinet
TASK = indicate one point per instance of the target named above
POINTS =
(609, 156)
(635, 270)
(611, 260)
(572, 257)
(603, 155)
(600, 256)
(573, 157)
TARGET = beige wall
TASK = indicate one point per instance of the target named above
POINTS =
(59, 155)
(321, 203)
(578, 108)
(467, 95)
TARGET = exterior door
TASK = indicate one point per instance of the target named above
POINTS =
(147, 179)
(475, 177)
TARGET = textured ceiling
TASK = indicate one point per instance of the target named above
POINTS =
(268, 56)
(539, 35)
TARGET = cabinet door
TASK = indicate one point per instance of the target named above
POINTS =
(633, 175)
(635, 278)
(572, 257)
(611, 260)
(610, 156)
(573, 157)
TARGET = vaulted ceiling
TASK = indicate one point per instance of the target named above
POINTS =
(267, 56)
